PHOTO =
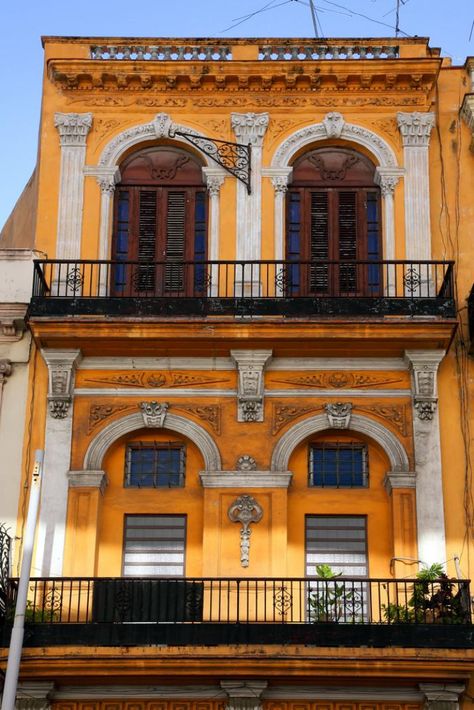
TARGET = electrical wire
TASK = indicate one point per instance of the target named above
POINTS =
(265, 8)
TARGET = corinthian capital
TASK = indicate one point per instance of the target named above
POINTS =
(415, 128)
(73, 127)
(250, 127)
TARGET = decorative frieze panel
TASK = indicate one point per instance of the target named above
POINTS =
(250, 365)
(245, 510)
(341, 380)
(156, 380)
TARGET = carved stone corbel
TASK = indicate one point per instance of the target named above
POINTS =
(424, 368)
(250, 365)
(442, 696)
(34, 695)
(154, 413)
(62, 365)
(245, 510)
(339, 414)
(244, 694)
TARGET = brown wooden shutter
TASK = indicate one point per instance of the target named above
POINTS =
(319, 243)
(347, 225)
(145, 275)
(175, 239)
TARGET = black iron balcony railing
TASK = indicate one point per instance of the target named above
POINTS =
(199, 609)
(202, 288)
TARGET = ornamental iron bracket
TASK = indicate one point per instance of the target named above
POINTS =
(233, 157)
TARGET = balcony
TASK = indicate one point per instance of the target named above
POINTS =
(205, 611)
(292, 289)
(470, 317)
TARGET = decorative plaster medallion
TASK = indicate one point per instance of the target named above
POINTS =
(154, 413)
(246, 463)
(339, 414)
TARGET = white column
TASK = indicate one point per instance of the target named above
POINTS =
(214, 181)
(73, 130)
(52, 519)
(250, 128)
(415, 129)
(387, 179)
(429, 475)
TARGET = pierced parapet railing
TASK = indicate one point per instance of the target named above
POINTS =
(318, 51)
(246, 600)
(163, 53)
(201, 288)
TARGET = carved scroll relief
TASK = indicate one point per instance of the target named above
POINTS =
(245, 510)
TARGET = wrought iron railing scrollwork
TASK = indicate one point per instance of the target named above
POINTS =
(5, 552)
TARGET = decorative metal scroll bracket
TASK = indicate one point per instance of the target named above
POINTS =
(245, 510)
(233, 157)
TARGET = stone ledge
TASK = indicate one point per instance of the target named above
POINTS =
(245, 479)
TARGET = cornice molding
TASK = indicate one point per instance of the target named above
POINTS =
(391, 76)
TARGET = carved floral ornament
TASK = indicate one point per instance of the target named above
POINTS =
(334, 126)
(245, 510)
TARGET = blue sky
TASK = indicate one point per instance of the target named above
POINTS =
(447, 22)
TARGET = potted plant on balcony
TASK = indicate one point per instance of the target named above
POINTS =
(434, 600)
(328, 600)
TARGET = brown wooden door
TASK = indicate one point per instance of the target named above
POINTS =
(332, 223)
(162, 227)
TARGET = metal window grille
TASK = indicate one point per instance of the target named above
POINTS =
(338, 465)
(154, 545)
(341, 543)
(154, 465)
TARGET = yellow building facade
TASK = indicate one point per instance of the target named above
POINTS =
(250, 376)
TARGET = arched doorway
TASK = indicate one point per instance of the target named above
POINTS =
(160, 224)
(333, 224)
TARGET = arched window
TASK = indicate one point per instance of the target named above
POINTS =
(333, 217)
(161, 223)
